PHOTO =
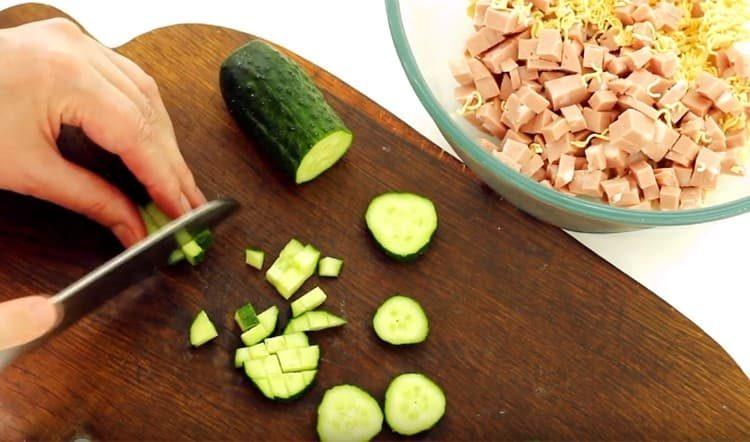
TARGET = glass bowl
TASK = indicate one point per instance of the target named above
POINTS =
(428, 34)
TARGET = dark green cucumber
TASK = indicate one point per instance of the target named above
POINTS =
(402, 224)
(278, 106)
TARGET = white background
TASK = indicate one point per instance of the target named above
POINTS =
(700, 270)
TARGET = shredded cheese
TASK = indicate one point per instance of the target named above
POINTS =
(473, 102)
(584, 143)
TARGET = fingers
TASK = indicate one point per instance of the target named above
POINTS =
(78, 189)
(141, 83)
(24, 319)
(114, 122)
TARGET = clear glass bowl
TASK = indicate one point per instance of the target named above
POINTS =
(427, 35)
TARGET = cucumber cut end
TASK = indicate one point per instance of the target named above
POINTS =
(202, 330)
(323, 155)
(245, 317)
(413, 403)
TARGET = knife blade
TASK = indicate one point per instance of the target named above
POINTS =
(124, 270)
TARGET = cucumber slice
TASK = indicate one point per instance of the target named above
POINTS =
(244, 354)
(245, 317)
(413, 403)
(202, 330)
(254, 258)
(267, 324)
(313, 321)
(309, 301)
(193, 252)
(280, 108)
(264, 386)
(291, 270)
(286, 342)
(348, 414)
(299, 359)
(401, 320)
(402, 223)
(330, 267)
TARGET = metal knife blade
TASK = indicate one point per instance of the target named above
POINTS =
(129, 267)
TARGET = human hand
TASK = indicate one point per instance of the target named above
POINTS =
(24, 319)
(51, 74)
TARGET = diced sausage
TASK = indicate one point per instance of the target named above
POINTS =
(505, 159)
(507, 50)
(527, 48)
(632, 130)
(644, 174)
(571, 61)
(697, 103)
(593, 57)
(615, 188)
(603, 100)
(728, 103)
(554, 130)
(683, 175)
(669, 197)
(651, 193)
(516, 113)
(666, 176)
(597, 121)
(533, 165)
(617, 66)
(687, 147)
(631, 103)
(538, 64)
(663, 64)
(664, 139)
(517, 151)
(535, 101)
(487, 145)
(565, 170)
(549, 46)
(574, 117)
(559, 147)
(690, 198)
(482, 40)
(567, 90)
(674, 94)
(461, 72)
(707, 168)
(504, 22)
(710, 86)
(737, 139)
(638, 59)
(616, 158)
(596, 158)
(483, 80)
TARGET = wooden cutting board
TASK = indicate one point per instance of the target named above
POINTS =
(532, 336)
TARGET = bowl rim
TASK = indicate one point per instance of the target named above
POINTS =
(550, 196)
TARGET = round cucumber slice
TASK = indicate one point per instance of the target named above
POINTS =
(413, 403)
(402, 223)
(401, 320)
(348, 414)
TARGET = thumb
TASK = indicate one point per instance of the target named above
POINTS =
(80, 190)
(24, 319)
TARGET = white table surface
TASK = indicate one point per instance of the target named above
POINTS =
(700, 270)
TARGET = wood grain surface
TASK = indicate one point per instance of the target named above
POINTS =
(532, 336)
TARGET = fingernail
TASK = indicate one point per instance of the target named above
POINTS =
(184, 203)
(124, 234)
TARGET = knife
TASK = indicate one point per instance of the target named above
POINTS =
(124, 270)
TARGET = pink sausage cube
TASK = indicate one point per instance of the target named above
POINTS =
(728, 103)
(710, 86)
(736, 139)
(596, 158)
(593, 57)
(482, 40)
(487, 145)
(638, 59)
(513, 135)
(575, 32)
(629, 102)
(683, 175)
(555, 130)
(643, 12)
(734, 161)
(696, 103)
(494, 58)
(565, 91)
(542, 5)
(603, 100)
(618, 66)
(549, 46)
(707, 168)
(664, 139)
(690, 198)
(625, 13)
(480, 8)
(534, 164)
(508, 65)
(616, 158)
(504, 22)
(565, 170)
(461, 72)
(558, 148)
(651, 193)
(515, 79)
(716, 134)
(619, 86)
(506, 88)
(591, 183)
(597, 121)
(669, 15)
(644, 174)
(669, 198)
(527, 48)
(508, 161)
(627, 199)
(517, 151)
(533, 100)
(483, 80)
(615, 188)
(571, 60)
(526, 75)
(574, 117)
(663, 64)
(576, 184)
(666, 176)
(687, 147)
(674, 94)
